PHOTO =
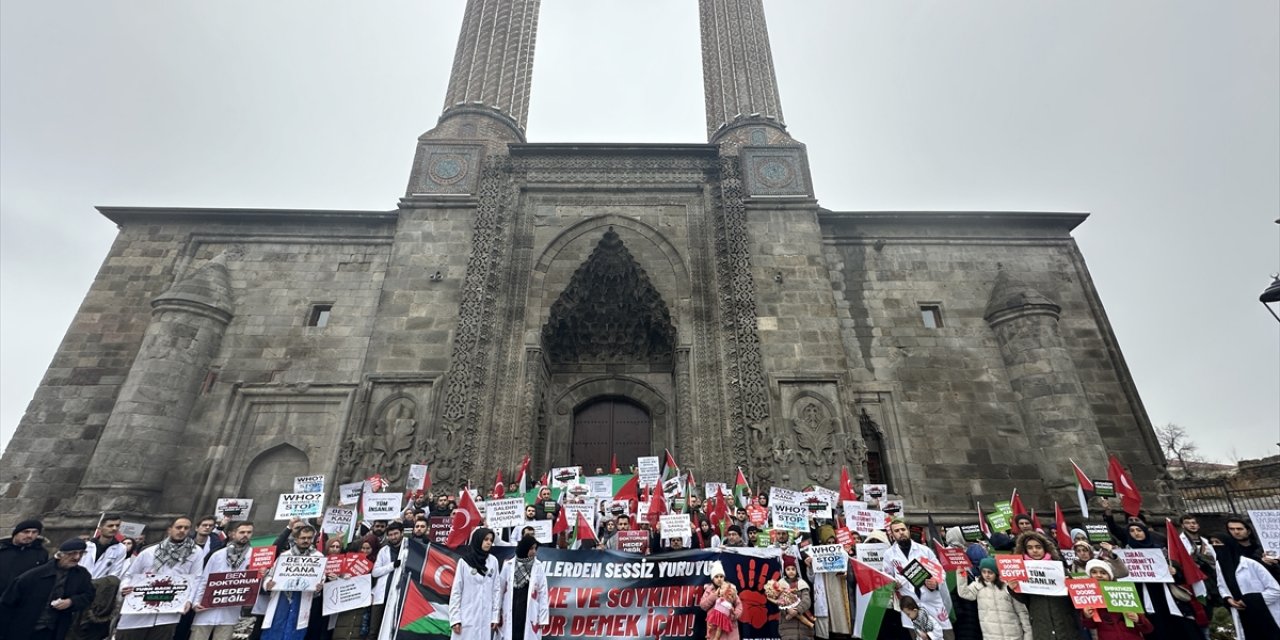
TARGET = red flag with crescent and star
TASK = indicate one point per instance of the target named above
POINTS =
(465, 519)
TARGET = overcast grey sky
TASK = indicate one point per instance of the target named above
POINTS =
(1161, 119)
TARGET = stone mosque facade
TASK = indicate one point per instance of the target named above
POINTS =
(572, 301)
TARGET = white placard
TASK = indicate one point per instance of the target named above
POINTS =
(675, 526)
(1266, 523)
(562, 477)
(615, 508)
(234, 508)
(1045, 578)
(587, 509)
(416, 479)
(350, 493)
(381, 506)
(1144, 565)
(792, 517)
(600, 486)
(650, 470)
(338, 521)
(779, 495)
(712, 487)
(875, 491)
(299, 505)
(346, 594)
(507, 512)
(132, 529)
(872, 553)
(863, 521)
(819, 504)
(541, 530)
(829, 558)
(297, 573)
(893, 508)
(157, 593)
(309, 484)
(853, 504)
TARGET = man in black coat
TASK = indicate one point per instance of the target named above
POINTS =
(40, 603)
(21, 552)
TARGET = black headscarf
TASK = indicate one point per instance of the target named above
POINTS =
(1145, 543)
(474, 554)
(1229, 555)
(526, 543)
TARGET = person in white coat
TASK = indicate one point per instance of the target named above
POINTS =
(219, 623)
(523, 590)
(1250, 592)
(474, 605)
(932, 596)
(289, 612)
(1000, 616)
(177, 555)
(104, 555)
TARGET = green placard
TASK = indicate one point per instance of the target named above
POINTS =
(762, 538)
(915, 573)
(1005, 507)
(1121, 597)
(1104, 488)
(999, 521)
(972, 532)
(1097, 532)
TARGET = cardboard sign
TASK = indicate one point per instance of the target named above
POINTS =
(829, 558)
(916, 573)
(1085, 593)
(864, 521)
(309, 484)
(779, 495)
(338, 521)
(158, 593)
(1144, 565)
(972, 532)
(757, 515)
(615, 508)
(347, 594)
(818, 504)
(1097, 532)
(381, 506)
(954, 559)
(675, 526)
(508, 512)
(763, 539)
(793, 517)
(1104, 488)
(600, 486)
(571, 511)
(578, 493)
(439, 528)
(1266, 523)
(261, 558)
(542, 530)
(350, 493)
(298, 573)
(649, 469)
(999, 521)
(234, 508)
(1010, 568)
(875, 491)
(633, 541)
(132, 529)
(712, 487)
(1005, 507)
(230, 589)
(872, 554)
(563, 477)
(1044, 578)
(1121, 597)
(893, 508)
(416, 480)
(299, 505)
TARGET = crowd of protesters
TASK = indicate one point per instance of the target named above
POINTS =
(76, 591)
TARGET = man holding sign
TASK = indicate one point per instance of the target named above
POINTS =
(298, 573)
(178, 559)
(218, 617)
(901, 553)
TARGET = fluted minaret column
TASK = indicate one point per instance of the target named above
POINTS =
(145, 430)
(737, 69)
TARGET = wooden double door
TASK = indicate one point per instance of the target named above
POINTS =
(606, 427)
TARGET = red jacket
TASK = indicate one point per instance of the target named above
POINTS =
(1112, 626)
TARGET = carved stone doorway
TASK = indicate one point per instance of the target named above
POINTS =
(607, 427)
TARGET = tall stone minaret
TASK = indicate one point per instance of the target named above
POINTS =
(145, 430)
(738, 81)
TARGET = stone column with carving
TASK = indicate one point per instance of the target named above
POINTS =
(737, 68)
(145, 431)
(1059, 421)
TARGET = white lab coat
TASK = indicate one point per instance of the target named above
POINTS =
(219, 615)
(146, 563)
(930, 600)
(1252, 577)
(304, 610)
(383, 571)
(474, 601)
(112, 563)
(537, 612)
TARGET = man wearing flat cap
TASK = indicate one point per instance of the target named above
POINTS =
(40, 603)
(21, 552)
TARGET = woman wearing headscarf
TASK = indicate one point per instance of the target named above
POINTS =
(834, 617)
(523, 593)
(473, 601)
(1164, 612)
(792, 620)
(1052, 617)
(1248, 589)
(1084, 553)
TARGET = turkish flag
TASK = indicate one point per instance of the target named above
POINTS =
(465, 520)
(438, 571)
(1130, 499)
(846, 486)
(1060, 529)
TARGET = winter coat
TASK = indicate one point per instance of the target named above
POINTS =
(709, 600)
(1052, 617)
(537, 612)
(1000, 615)
(1252, 578)
(967, 624)
(30, 594)
(1112, 626)
(793, 628)
(16, 560)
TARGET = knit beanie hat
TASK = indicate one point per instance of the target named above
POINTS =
(28, 524)
(988, 563)
(1098, 564)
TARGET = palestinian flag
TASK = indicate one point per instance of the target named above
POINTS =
(873, 600)
(983, 524)
(425, 586)
(1084, 489)
(741, 490)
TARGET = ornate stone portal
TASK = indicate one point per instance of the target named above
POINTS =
(516, 285)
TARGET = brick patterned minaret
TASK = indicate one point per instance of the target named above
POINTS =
(737, 69)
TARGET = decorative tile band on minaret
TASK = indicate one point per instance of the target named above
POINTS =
(737, 68)
(493, 64)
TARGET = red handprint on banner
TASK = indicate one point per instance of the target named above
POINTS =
(755, 610)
